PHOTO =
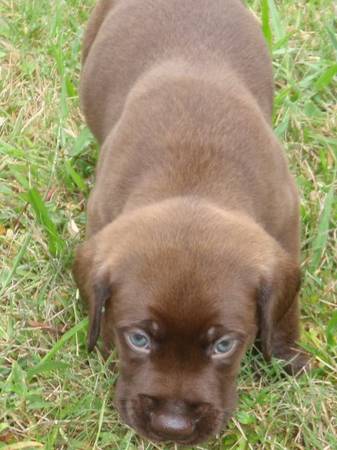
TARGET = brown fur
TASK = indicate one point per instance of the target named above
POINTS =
(193, 223)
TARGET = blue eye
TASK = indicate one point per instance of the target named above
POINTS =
(139, 341)
(223, 346)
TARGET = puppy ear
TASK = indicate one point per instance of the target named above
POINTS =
(94, 286)
(277, 306)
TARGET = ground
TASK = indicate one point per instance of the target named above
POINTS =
(54, 395)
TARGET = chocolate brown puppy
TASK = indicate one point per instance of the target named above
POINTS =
(192, 244)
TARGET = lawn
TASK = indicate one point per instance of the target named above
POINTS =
(53, 395)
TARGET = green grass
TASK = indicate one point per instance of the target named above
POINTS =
(54, 395)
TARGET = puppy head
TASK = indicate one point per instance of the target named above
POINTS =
(182, 289)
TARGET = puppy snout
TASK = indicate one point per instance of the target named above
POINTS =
(172, 419)
(172, 426)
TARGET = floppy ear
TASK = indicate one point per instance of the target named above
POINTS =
(94, 286)
(277, 306)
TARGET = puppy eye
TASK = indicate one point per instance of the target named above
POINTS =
(139, 341)
(223, 347)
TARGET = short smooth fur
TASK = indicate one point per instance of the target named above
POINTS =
(193, 223)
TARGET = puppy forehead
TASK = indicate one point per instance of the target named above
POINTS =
(184, 298)
(185, 312)
(195, 308)
(163, 320)
(204, 321)
(192, 322)
(198, 324)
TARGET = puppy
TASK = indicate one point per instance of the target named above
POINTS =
(192, 243)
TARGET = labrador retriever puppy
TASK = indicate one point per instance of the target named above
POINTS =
(192, 243)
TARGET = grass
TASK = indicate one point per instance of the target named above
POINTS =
(52, 394)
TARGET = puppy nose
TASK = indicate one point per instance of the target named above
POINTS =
(172, 419)
(171, 426)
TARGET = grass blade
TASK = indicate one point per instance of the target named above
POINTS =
(16, 263)
(82, 142)
(75, 176)
(55, 242)
(21, 445)
(59, 344)
(331, 331)
(332, 35)
(47, 366)
(325, 79)
(266, 23)
(320, 241)
(100, 422)
(276, 21)
(126, 442)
